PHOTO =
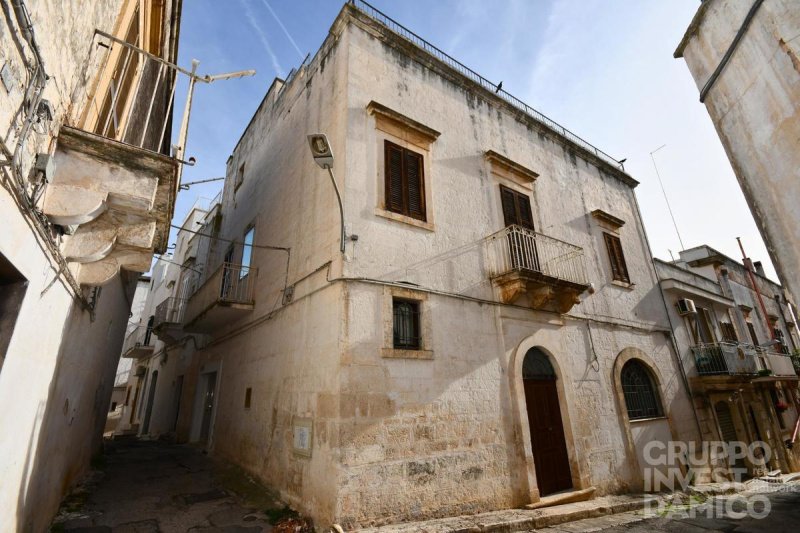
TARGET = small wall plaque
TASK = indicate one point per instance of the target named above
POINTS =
(301, 436)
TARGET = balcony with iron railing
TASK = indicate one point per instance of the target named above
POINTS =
(740, 359)
(112, 181)
(168, 319)
(225, 296)
(139, 342)
(549, 272)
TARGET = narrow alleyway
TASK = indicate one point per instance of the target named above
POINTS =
(144, 487)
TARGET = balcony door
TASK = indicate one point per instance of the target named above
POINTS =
(522, 245)
(701, 326)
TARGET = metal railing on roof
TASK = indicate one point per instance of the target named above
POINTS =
(464, 70)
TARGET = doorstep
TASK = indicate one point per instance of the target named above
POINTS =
(560, 498)
(512, 520)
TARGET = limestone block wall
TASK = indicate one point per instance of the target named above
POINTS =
(755, 107)
(291, 364)
(422, 438)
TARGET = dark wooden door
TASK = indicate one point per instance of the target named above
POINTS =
(547, 436)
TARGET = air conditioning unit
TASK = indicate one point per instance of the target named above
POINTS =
(686, 307)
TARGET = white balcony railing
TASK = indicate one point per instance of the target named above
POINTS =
(139, 338)
(170, 311)
(779, 364)
(519, 249)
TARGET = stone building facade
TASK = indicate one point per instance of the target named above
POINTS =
(87, 194)
(493, 332)
(742, 365)
(745, 58)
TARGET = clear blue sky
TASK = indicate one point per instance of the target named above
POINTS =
(602, 69)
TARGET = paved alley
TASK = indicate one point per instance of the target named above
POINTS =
(783, 517)
(144, 487)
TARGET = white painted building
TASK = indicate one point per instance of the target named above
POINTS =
(86, 198)
(742, 363)
(493, 332)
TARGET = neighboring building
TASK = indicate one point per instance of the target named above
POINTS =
(155, 383)
(743, 379)
(745, 58)
(493, 334)
(120, 394)
(88, 188)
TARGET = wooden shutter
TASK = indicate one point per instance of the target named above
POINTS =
(509, 206)
(394, 177)
(516, 208)
(728, 332)
(619, 270)
(414, 184)
(524, 209)
(404, 181)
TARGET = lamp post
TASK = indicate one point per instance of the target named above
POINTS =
(323, 156)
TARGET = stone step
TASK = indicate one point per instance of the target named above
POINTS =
(512, 520)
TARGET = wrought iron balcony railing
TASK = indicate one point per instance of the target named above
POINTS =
(732, 358)
(519, 249)
(231, 285)
(138, 341)
(467, 72)
(170, 311)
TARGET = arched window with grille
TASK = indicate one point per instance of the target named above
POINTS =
(641, 395)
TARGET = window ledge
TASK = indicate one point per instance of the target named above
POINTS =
(402, 218)
(623, 284)
(649, 419)
(394, 353)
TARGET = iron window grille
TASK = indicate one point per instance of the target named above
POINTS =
(406, 330)
(641, 397)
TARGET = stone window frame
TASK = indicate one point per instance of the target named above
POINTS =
(388, 351)
(389, 125)
(609, 224)
(512, 175)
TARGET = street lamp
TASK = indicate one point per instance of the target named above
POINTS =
(323, 156)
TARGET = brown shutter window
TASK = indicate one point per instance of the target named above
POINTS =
(404, 181)
(516, 208)
(619, 270)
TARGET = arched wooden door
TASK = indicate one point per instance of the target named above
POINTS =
(548, 443)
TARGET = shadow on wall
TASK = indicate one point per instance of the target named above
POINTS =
(71, 422)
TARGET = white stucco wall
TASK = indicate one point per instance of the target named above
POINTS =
(755, 107)
(60, 368)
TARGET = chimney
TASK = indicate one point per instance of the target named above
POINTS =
(759, 267)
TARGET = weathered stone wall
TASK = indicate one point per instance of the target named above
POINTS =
(59, 370)
(397, 438)
(755, 107)
(440, 436)
(286, 351)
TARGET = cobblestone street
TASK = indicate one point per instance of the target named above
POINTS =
(784, 516)
(144, 487)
